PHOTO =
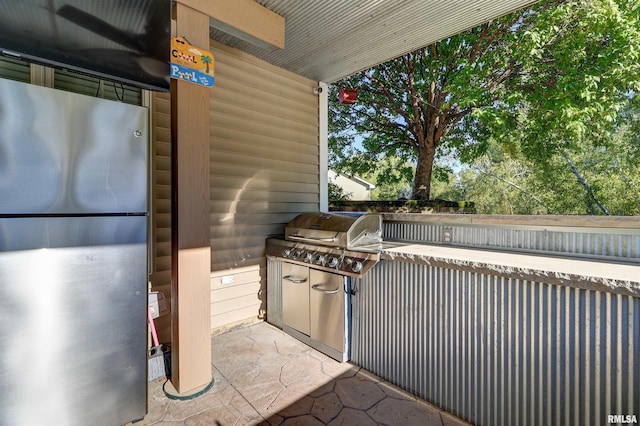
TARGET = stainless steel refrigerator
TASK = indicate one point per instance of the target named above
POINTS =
(73, 258)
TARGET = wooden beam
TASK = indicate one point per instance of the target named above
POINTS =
(246, 16)
(191, 250)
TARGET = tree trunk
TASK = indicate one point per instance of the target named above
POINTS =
(424, 169)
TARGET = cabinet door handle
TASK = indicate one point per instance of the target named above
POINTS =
(294, 280)
(317, 287)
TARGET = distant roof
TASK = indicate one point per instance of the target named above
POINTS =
(331, 39)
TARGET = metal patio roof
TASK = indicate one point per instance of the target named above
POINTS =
(330, 39)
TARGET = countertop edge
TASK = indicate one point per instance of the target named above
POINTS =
(618, 278)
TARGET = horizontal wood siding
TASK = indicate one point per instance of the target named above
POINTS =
(161, 205)
(92, 86)
(14, 69)
(264, 155)
(235, 297)
(264, 171)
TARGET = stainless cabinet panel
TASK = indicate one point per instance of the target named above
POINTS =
(295, 297)
(326, 303)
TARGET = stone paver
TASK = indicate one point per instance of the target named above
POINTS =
(265, 377)
(404, 412)
(351, 417)
(327, 407)
(302, 421)
(359, 393)
(449, 419)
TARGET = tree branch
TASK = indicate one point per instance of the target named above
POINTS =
(391, 80)
(453, 120)
(518, 187)
(387, 128)
(473, 53)
(384, 91)
(581, 180)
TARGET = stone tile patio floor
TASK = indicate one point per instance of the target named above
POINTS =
(265, 377)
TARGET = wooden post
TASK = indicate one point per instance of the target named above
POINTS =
(191, 252)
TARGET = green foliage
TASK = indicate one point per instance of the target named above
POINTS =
(541, 85)
(587, 63)
(392, 177)
(500, 183)
(336, 193)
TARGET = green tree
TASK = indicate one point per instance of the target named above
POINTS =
(336, 193)
(501, 183)
(538, 82)
(498, 183)
(392, 178)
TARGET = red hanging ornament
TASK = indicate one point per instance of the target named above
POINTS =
(348, 96)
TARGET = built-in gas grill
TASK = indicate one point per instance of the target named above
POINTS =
(347, 245)
(318, 256)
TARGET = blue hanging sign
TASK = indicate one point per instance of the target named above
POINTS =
(192, 64)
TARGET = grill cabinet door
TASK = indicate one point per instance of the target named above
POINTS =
(327, 308)
(295, 296)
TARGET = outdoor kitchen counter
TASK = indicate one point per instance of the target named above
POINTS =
(620, 278)
(509, 335)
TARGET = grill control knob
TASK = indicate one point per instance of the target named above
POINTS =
(297, 254)
(356, 266)
(320, 259)
(286, 253)
(332, 262)
(308, 257)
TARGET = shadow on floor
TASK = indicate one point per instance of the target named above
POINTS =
(265, 377)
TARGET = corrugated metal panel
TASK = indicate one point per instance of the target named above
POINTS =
(617, 243)
(274, 292)
(13, 69)
(161, 204)
(329, 40)
(499, 351)
(264, 155)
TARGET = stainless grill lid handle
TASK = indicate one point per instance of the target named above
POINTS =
(323, 239)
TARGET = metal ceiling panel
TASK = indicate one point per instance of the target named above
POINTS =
(331, 39)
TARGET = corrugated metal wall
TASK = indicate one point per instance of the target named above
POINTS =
(331, 39)
(274, 292)
(264, 155)
(499, 351)
(618, 243)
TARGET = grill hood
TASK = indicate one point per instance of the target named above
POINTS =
(335, 230)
